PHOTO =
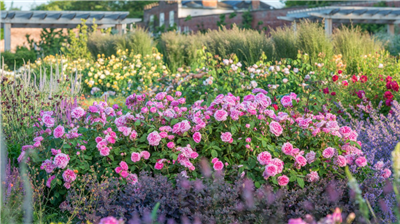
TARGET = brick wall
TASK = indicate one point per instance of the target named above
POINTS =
(163, 7)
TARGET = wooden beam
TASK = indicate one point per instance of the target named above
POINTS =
(7, 36)
(328, 27)
(390, 29)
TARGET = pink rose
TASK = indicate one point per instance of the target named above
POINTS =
(110, 220)
(214, 160)
(133, 135)
(132, 178)
(310, 157)
(312, 176)
(69, 175)
(283, 180)
(386, 173)
(264, 158)
(379, 165)
(48, 183)
(287, 148)
(77, 112)
(159, 166)
(218, 165)
(67, 185)
(328, 152)
(345, 131)
(61, 160)
(361, 161)
(270, 170)
(154, 138)
(48, 166)
(105, 151)
(123, 165)
(118, 169)
(296, 221)
(145, 155)
(286, 101)
(226, 136)
(353, 136)
(58, 131)
(341, 161)
(300, 160)
(171, 145)
(135, 157)
(48, 120)
(278, 163)
(124, 173)
(221, 115)
(197, 137)
(275, 128)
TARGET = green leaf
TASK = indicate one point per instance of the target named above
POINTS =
(300, 181)
(214, 153)
(137, 123)
(174, 121)
(257, 184)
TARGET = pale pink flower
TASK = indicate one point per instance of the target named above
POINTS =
(133, 135)
(296, 221)
(286, 101)
(341, 161)
(275, 128)
(69, 175)
(145, 155)
(379, 165)
(345, 131)
(135, 157)
(221, 115)
(278, 163)
(110, 220)
(300, 160)
(361, 161)
(310, 157)
(48, 120)
(48, 166)
(270, 170)
(283, 180)
(132, 178)
(154, 138)
(58, 131)
(61, 160)
(312, 176)
(77, 112)
(197, 137)
(248, 139)
(226, 136)
(386, 173)
(264, 158)
(328, 152)
(105, 151)
(218, 165)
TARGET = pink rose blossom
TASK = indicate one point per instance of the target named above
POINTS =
(226, 136)
(118, 169)
(105, 151)
(135, 157)
(345, 131)
(287, 148)
(286, 101)
(283, 180)
(133, 135)
(328, 152)
(296, 221)
(275, 128)
(58, 131)
(310, 157)
(312, 176)
(171, 145)
(248, 139)
(300, 160)
(214, 160)
(361, 161)
(264, 158)
(61, 160)
(386, 173)
(48, 183)
(247, 125)
(218, 165)
(379, 165)
(154, 138)
(123, 165)
(145, 155)
(159, 166)
(341, 161)
(110, 220)
(48, 166)
(197, 137)
(78, 112)
(69, 175)
(221, 115)
(124, 173)
(270, 170)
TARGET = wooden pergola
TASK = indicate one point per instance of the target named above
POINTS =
(346, 14)
(61, 19)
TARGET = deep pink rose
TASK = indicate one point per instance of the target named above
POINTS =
(159, 166)
(110, 220)
(197, 137)
(345, 131)
(105, 151)
(78, 112)
(123, 165)
(69, 175)
(218, 165)
(270, 170)
(283, 180)
(286, 101)
(171, 145)
(300, 160)
(48, 166)
(296, 221)
(48, 183)
(287, 148)
(264, 158)
(145, 155)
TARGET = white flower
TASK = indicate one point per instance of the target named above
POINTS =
(254, 84)
(308, 77)
(285, 80)
(102, 77)
(304, 85)
(295, 70)
(286, 71)
(239, 64)
(380, 66)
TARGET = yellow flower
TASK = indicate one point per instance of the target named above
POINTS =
(108, 85)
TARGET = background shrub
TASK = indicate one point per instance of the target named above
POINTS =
(21, 56)
(285, 42)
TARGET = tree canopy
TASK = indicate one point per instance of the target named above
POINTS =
(135, 8)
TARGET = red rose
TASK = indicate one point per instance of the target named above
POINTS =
(354, 78)
(388, 102)
(326, 90)
(333, 93)
(275, 106)
(388, 95)
(388, 79)
(335, 78)
(340, 72)
(364, 78)
(361, 94)
(393, 86)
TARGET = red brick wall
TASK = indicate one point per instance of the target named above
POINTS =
(163, 7)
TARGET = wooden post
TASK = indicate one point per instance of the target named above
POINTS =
(7, 36)
(328, 27)
(390, 29)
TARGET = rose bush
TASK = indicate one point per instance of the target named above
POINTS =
(162, 135)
